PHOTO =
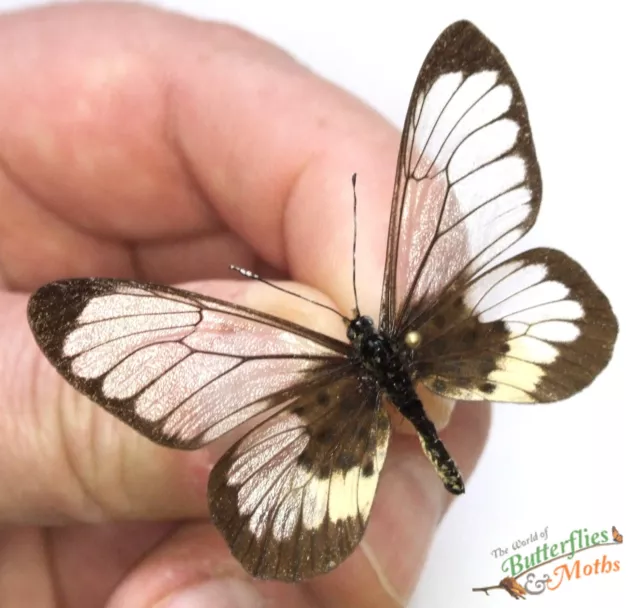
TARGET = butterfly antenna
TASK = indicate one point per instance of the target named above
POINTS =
(252, 275)
(355, 234)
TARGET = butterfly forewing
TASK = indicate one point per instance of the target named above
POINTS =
(467, 180)
(293, 497)
(532, 329)
(181, 368)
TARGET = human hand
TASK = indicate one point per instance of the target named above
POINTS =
(137, 143)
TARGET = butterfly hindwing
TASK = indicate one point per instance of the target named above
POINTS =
(532, 329)
(181, 368)
(467, 180)
(293, 497)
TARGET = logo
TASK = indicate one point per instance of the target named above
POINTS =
(535, 565)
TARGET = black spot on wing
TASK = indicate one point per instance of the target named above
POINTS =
(368, 468)
(325, 435)
(305, 460)
(299, 410)
(323, 398)
(324, 470)
(488, 387)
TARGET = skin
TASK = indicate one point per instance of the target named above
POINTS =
(138, 143)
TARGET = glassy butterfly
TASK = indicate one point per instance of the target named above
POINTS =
(292, 497)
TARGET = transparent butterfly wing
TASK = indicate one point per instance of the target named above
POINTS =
(532, 329)
(293, 497)
(467, 180)
(179, 367)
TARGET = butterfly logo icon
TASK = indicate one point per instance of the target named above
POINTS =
(617, 537)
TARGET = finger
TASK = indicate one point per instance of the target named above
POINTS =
(194, 564)
(181, 130)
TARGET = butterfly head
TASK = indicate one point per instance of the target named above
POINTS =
(360, 328)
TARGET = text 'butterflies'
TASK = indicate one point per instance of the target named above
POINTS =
(292, 497)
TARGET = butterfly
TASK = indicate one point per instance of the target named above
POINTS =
(292, 497)
(617, 537)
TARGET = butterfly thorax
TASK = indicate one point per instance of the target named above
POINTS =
(377, 354)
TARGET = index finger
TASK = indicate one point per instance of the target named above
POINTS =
(185, 126)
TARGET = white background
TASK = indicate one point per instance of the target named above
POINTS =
(568, 465)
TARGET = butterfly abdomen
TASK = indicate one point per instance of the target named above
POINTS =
(410, 406)
(402, 394)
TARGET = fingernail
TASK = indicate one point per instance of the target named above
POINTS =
(227, 593)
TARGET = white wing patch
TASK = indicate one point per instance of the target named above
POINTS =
(130, 302)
